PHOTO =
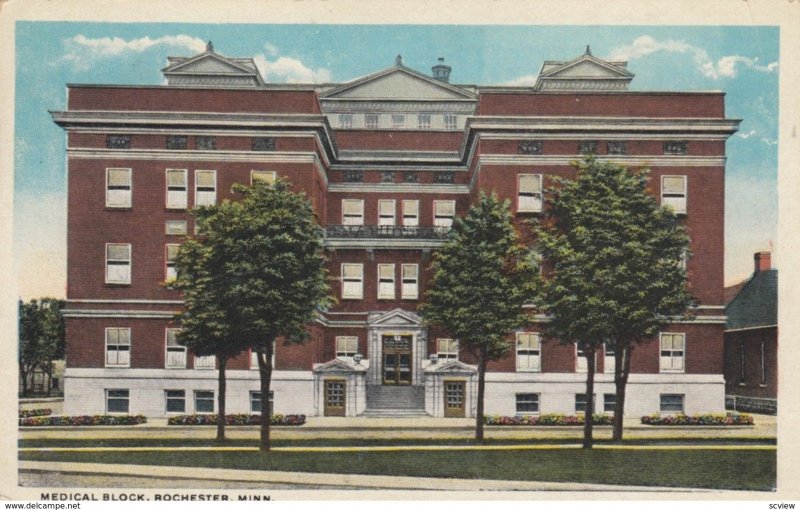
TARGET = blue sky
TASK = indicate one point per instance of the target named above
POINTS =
(742, 61)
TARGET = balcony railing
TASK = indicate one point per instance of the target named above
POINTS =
(384, 232)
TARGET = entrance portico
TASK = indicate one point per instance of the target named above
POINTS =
(397, 347)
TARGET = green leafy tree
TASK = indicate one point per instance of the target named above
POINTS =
(481, 278)
(617, 271)
(265, 274)
(41, 338)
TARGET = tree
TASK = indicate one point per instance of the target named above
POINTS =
(481, 278)
(265, 274)
(41, 338)
(617, 270)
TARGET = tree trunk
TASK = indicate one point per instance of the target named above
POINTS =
(223, 361)
(265, 371)
(24, 375)
(588, 422)
(49, 376)
(622, 368)
(481, 390)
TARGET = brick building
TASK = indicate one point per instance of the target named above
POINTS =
(387, 160)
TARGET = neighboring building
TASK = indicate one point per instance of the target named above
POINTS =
(751, 342)
(387, 160)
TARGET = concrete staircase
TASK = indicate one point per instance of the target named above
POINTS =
(395, 401)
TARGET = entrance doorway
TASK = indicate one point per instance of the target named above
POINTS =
(335, 397)
(454, 399)
(397, 359)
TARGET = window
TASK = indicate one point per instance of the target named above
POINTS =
(205, 143)
(410, 213)
(672, 352)
(398, 121)
(267, 176)
(118, 263)
(446, 348)
(527, 403)
(346, 347)
(410, 283)
(176, 353)
(352, 281)
(171, 253)
(371, 121)
(529, 147)
(450, 122)
(346, 120)
(176, 401)
(203, 401)
(676, 148)
(742, 359)
(587, 148)
(118, 347)
(254, 357)
(205, 187)
(529, 352)
(609, 402)
(352, 212)
(386, 212)
(117, 401)
(673, 192)
(262, 143)
(763, 364)
(176, 189)
(118, 187)
(255, 402)
(609, 358)
(385, 281)
(205, 362)
(118, 142)
(424, 121)
(671, 403)
(530, 193)
(176, 143)
(175, 228)
(580, 402)
(443, 213)
(617, 148)
(581, 363)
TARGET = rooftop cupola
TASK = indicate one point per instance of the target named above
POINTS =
(441, 72)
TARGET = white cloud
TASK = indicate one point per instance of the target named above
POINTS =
(725, 67)
(529, 80)
(81, 50)
(746, 135)
(769, 141)
(278, 69)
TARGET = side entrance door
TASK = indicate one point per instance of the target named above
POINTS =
(335, 397)
(397, 359)
(454, 399)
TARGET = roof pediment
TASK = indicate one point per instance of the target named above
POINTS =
(584, 72)
(337, 365)
(396, 318)
(397, 83)
(452, 367)
(210, 67)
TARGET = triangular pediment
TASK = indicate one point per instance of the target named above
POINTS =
(396, 318)
(337, 365)
(208, 63)
(588, 66)
(585, 72)
(452, 366)
(395, 83)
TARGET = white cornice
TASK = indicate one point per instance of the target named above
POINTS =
(382, 244)
(650, 161)
(129, 301)
(752, 328)
(600, 135)
(633, 125)
(121, 314)
(385, 188)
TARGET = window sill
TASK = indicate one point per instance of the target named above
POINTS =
(762, 385)
(117, 366)
(120, 208)
(117, 284)
(742, 385)
(175, 368)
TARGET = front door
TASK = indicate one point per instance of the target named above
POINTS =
(335, 397)
(397, 359)
(454, 399)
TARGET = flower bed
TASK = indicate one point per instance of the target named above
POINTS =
(29, 413)
(698, 419)
(75, 421)
(236, 419)
(546, 420)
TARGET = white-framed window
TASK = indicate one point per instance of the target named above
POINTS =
(608, 358)
(254, 357)
(410, 213)
(386, 210)
(175, 401)
(170, 256)
(176, 189)
(118, 187)
(581, 363)
(205, 187)
(527, 403)
(117, 401)
(352, 211)
(267, 176)
(530, 193)
(673, 192)
(609, 402)
(450, 122)
(371, 121)
(176, 353)
(446, 348)
(424, 121)
(346, 347)
(529, 351)
(255, 402)
(118, 347)
(352, 281)
(175, 228)
(205, 362)
(671, 403)
(386, 281)
(398, 121)
(443, 213)
(673, 352)
(580, 402)
(346, 120)
(203, 402)
(410, 282)
(118, 263)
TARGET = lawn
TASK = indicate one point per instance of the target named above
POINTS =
(716, 469)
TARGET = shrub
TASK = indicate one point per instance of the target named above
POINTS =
(547, 420)
(74, 421)
(719, 419)
(28, 413)
(236, 419)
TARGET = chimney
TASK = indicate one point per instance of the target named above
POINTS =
(441, 72)
(763, 260)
